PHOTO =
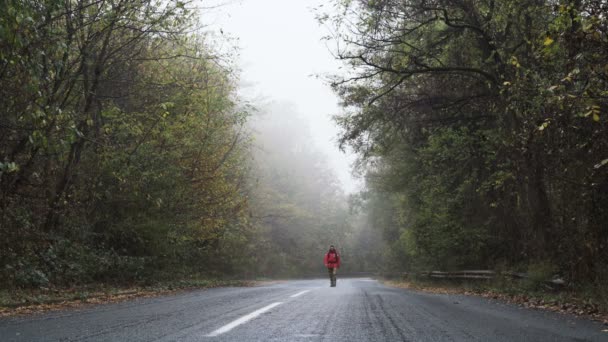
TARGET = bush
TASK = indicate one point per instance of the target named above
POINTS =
(30, 277)
(538, 274)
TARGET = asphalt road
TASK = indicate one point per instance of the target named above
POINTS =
(304, 310)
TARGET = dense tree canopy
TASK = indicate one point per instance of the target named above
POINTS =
(123, 148)
(481, 127)
(127, 155)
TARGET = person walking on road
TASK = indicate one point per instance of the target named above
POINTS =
(332, 262)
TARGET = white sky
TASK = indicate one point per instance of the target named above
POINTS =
(280, 53)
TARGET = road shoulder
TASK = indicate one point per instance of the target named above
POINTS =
(564, 305)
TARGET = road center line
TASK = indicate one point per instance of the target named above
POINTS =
(299, 293)
(244, 319)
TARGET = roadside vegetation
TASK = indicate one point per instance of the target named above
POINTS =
(122, 143)
(482, 132)
(127, 158)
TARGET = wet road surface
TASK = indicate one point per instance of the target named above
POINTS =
(304, 310)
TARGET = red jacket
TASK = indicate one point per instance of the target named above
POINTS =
(332, 260)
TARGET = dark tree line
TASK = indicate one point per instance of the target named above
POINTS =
(122, 144)
(482, 130)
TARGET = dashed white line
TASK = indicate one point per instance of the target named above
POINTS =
(299, 293)
(226, 328)
(235, 323)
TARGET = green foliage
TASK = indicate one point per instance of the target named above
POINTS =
(123, 151)
(481, 130)
(538, 273)
(126, 156)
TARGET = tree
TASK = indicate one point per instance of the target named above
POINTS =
(122, 144)
(484, 119)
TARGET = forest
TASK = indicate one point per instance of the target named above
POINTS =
(481, 129)
(128, 155)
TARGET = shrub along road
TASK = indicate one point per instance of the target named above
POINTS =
(304, 310)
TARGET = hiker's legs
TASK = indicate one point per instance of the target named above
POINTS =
(332, 275)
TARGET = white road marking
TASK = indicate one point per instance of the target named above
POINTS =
(299, 293)
(236, 323)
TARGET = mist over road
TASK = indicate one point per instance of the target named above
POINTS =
(304, 310)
